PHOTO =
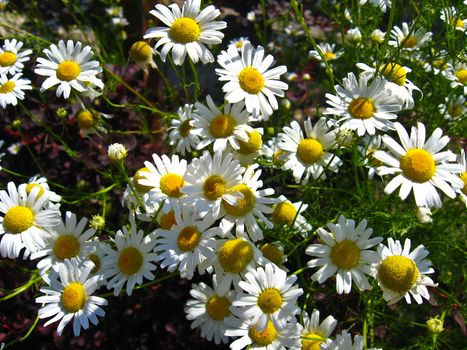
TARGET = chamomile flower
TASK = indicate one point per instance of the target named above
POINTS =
(290, 214)
(182, 135)
(354, 35)
(68, 297)
(274, 337)
(249, 78)
(453, 107)
(363, 107)
(12, 89)
(346, 253)
(209, 308)
(328, 50)
(96, 254)
(189, 31)
(457, 74)
(132, 261)
(254, 204)
(221, 127)
(91, 121)
(367, 150)
(383, 4)
(463, 175)
(268, 295)
(129, 198)
(24, 221)
(419, 165)
(41, 182)
(70, 66)
(344, 341)
(64, 241)
(314, 333)
(408, 39)
(166, 179)
(250, 149)
(143, 54)
(401, 273)
(309, 156)
(209, 180)
(452, 17)
(378, 36)
(272, 151)
(12, 58)
(238, 42)
(274, 252)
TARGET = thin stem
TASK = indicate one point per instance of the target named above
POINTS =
(122, 169)
(33, 280)
(195, 76)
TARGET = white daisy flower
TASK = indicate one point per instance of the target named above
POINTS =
(451, 16)
(463, 175)
(24, 221)
(273, 337)
(189, 31)
(69, 66)
(182, 135)
(354, 35)
(12, 58)
(378, 36)
(132, 261)
(344, 341)
(457, 74)
(209, 308)
(268, 295)
(274, 253)
(221, 128)
(406, 39)
(249, 78)
(142, 53)
(383, 4)
(250, 149)
(272, 151)
(11, 89)
(419, 165)
(41, 182)
(3, 4)
(166, 177)
(64, 241)
(396, 75)
(209, 180)
(309, 156)
(453, 107)
(328, 50)
(187, 244)
(132, 203)
(91, 121)
(363, 108)
(345, 253)
(97, 255)
(367, 150)
(401, 273)
(69, 296)
(314, 333)
(254, 204)
(238, 42)
(290, 214)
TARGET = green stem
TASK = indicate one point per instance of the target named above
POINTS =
(122, 169)
(24, 337)
(195, 76)
(32, 281)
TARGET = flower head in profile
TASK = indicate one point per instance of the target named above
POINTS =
(117, 151)
(143, 54)
(409, 39)
(382, 4)
(463, 175)
(188, 31)
(328, 50)
(457, 74)
(344, 341)
(314, 333)
(454, 18)
(182, 133)
(290, 214)
(12, 89)
(12, 57)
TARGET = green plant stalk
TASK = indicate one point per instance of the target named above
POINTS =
(195, 76)
(32, 281)
(24, 337)
(121, 167)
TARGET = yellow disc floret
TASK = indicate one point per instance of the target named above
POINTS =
(265, 337)
(7, 59)
(7, 87)
(167, 220)
(222, 126)
(273, 253)
(188, 238)
(329, 55)
(398, 273)
(139, 175)
(345, 254)
(66, 247)
(235, 255)
(461, 75)
(184, 30)
(185, 128)
(313, 341)
(251, 80)
(130, 261)
(410, 42)
(270, 300)
(97, 262)
(362, 108)
(218, 307)
(171, 184)
(395, 73)
(85, 119)
(253, 144)
(214, 187)
(30, 186)
(68, 71)
(74, 297)
(18, 219)
(464, 179)
(309, 150)
(244, 205)
(418, 165)
(284, 213)
(140, 51)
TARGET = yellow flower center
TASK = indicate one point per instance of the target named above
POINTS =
(66, 247)
(270, 300)
(214, 187)
(185, 128)
(273, 253)
(313, 341)
(251, 80)
(329, 55)
(464, 179)
(188, 238)
(74, 297)
(362, 108)
(85, 119)
(139, 175)
(398, 273)
(171, 184)
(395, 73)
(276, 157)
(97, 262)
(68, 71)
(410, 42)
(244, 205)
(168, 220)
(222, 126)
(7, 87)
(184, 30)
(309, 151)
(461, 75)
(459, 23)
(32, 185)
(265, 337)
(130, 261)
(140, 51)
(345, 254)
(239, 44)
(284, 213)
(441, 64)
(235, 255)
(454, 110)
(18, 219)
(218, 307)
(253, 144)
(418, 165)
(7, 59)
